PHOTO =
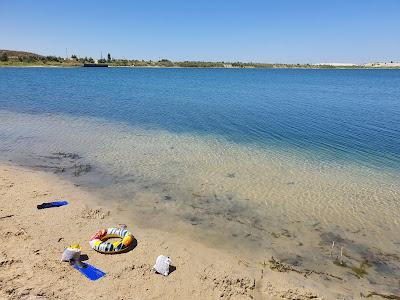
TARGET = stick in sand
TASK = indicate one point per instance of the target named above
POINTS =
(333, 245)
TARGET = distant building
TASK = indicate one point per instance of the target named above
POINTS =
(336, 64)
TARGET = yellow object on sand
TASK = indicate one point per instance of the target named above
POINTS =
(75, 246)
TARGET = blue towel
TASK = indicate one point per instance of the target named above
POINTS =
(89, 271)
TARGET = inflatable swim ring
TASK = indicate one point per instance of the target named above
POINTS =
(99, 241)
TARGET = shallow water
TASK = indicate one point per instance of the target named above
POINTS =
(280, 162)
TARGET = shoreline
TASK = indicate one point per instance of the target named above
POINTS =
(201, 272)
(234, 68)
(296, 247)
(34, 270)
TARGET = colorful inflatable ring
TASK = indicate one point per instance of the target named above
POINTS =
(99, 241)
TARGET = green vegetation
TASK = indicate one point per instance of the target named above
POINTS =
(4, 57)
(359, 271)
(21, 58)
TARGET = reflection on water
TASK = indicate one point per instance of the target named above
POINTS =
(259, 200)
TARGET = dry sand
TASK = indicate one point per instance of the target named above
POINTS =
(33, 240)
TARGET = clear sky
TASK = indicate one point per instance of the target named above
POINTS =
(291, 31)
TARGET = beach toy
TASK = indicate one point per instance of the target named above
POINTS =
(99, 241)
(71, 253)
(52, 204)
(89, 271)
(162, 265)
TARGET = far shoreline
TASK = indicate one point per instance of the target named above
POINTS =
(16, 58)
(234, 68)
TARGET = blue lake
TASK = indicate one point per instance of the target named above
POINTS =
(330, 114)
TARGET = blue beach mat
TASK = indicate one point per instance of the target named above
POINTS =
(52, 204)
(89, 271)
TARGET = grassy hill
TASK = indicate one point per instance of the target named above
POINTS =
(13, 54)
(23, 58)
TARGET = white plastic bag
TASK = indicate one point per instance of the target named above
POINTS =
(162, 265)
(71, 253)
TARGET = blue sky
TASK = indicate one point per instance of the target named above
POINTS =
(291, 31)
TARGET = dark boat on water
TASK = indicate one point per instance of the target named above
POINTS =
(96, 65)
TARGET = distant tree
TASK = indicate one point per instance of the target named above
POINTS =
(165, 63)
(4, 57)
(91, 60)
(108, 56)
(102, 60)
(51, 58)
(30, 58)
(73, 56)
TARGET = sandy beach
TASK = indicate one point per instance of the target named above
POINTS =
(33, 241)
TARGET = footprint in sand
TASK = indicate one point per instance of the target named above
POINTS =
(98, 213)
